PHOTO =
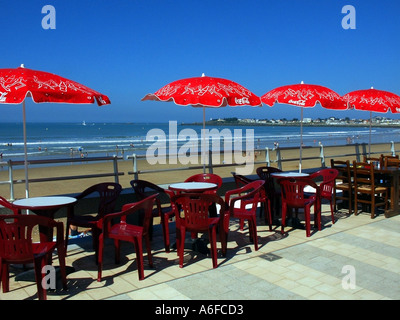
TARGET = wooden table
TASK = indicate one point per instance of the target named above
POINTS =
(394, 174)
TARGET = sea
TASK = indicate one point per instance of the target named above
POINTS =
(83, 139)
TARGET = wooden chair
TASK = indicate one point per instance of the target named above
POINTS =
(365, 189)
(343, 188)
(391, 162)
(375, 160)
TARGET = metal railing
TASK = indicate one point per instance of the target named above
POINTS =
(360, 150)
(11, 164)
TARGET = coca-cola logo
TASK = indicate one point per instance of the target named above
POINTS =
(243, 100)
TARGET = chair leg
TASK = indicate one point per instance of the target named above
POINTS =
(4, 277)
(117, 249)
(95, 237)
(253, 231)
(38, 264)
(61, 261)
(241, 224)
(283, 223)
(66, 235)
(332, 212)
(267, 214)
(100, 258)
(165, 229)
(139, 256)
(307, 220)
(148, 249)
(181, 246)
(213, 242)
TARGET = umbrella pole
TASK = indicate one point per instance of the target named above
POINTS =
(370, 124)
(204, 140)
(301, 139)
(25, 151)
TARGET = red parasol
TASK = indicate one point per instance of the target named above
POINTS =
(18, 83)
(205, 92)
(373, 100)
(304, 95)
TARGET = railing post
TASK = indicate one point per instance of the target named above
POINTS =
(321, 155)
(210, 163)
(11, 180)
(134, 160)
(357, 147)
(116, 177)
(392, 149)
(278, 157)
(364, 150)
(267, 159)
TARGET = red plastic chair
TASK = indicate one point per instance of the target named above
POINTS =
(265, 202)
(273, 193)
(9, 205)
(244, 205)
(327, 185)
(108, 193)
(142, 189)
(16, 247)
(124, 231)
(293, 196)
(192, 215)
(206, 177)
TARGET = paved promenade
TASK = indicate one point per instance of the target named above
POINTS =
(357, 258)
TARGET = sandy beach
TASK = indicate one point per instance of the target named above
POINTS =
(62, 187)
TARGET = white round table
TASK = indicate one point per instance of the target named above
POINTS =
(38, 204)
(192, 186)
(289, 174)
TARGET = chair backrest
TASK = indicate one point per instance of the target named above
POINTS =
(375, 160)
(364, 174)
(143, 188)
(240, 180)
(145, 205)
(343, 168)
(293, 190)
(16, 236)
(206, 177)
(8, 205)
(265, 172)
(108, 194)
(328, 180)
(249, 195)
(193, 208)
(390, 162)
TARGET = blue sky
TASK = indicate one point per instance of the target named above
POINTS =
(128, 48)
